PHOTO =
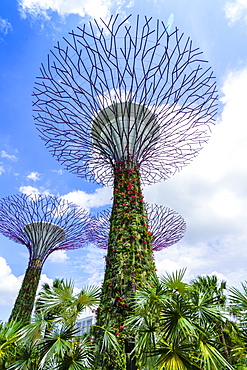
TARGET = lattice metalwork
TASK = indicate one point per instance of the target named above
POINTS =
(166, 226)
(125, 90)
(43, 224)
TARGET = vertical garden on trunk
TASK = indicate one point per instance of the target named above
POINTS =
(129, 260)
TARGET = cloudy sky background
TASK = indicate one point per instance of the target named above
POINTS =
(210, 193)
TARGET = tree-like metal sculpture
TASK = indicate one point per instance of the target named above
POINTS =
(123, 102)
(166, 226)
(115, 91)
(43, 224)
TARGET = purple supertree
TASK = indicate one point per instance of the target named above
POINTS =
(166, 226)
(123, 102)
(43, 224)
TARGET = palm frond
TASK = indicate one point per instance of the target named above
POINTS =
(211, 358)
(176, 355)
(174, 281)
(80, 357)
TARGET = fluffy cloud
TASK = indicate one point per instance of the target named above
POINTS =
(31, 190)
(12, 157)
(10, 284)
(95, 9)
(33, 176)
(236, 10)
(59, 256)
(5, 26)
(100, 198)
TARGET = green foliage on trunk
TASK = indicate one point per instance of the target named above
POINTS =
(129, 264)
(24, 303)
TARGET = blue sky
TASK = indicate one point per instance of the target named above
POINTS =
(210, 193)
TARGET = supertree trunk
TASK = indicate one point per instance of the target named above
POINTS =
(129, 262)
(24, 303)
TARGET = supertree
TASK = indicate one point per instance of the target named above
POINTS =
(43, 224)
(120, 102)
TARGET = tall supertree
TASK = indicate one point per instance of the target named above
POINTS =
(123, 102)
(43, 224)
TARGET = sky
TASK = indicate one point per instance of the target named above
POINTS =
(210, 193)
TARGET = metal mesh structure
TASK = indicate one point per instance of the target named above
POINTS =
(125, 90)
(166, 226)
(43, 224)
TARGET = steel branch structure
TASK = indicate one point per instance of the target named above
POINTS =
(166, 226)
(120, 90)
(43, 224)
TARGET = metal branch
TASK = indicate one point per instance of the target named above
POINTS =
(94, 80)
(43, 224)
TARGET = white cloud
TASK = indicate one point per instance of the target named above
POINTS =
(4, 154)
(11, 284)
(236, 10)
(59, 256)
(31, 190)
(5, 26)
(225, 204)
(92, 263)
(95, 9)
(100, 198)
(33, 176)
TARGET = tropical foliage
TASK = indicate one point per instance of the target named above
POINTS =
(173, 326)
(51, 340)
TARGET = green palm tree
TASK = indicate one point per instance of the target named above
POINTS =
(8, 336)
(60, 301)
(238, 308)
(176, 326)
(51, 340)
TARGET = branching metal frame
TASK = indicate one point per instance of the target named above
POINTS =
(167, 227)
(43, 213)
(116, 65)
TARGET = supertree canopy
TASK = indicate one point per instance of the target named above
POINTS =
(166, 226)
(125, 89)
(43, 224)
(124, 102)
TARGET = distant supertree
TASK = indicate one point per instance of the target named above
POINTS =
(166, 226)
(123, 103)
(43, 224)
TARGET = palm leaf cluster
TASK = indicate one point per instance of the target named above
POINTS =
(173, 326)
(180, 326)
(51, 340)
